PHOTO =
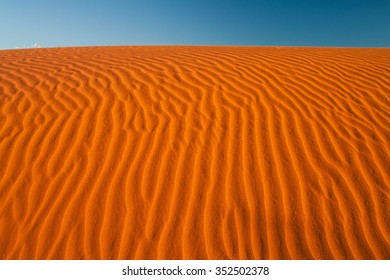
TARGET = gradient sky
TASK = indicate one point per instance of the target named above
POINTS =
(50, 23)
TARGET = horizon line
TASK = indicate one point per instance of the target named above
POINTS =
(195, 45)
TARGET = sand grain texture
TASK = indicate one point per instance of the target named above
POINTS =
(195, 153)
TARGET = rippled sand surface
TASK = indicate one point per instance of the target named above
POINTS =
(195, 153)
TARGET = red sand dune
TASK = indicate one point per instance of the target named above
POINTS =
(195, 153)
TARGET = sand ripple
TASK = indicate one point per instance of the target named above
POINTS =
(195, 153)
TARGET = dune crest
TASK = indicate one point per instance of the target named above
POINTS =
(195, 153)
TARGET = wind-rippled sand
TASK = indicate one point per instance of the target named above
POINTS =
(195, 153)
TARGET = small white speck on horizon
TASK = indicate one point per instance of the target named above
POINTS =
(34, 46)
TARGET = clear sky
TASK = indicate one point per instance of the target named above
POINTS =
(356, 23)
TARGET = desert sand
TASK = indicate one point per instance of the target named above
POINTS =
(195, 153)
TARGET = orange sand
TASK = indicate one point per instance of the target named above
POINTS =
(195, 153)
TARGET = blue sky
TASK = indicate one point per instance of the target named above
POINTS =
(356, 23)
